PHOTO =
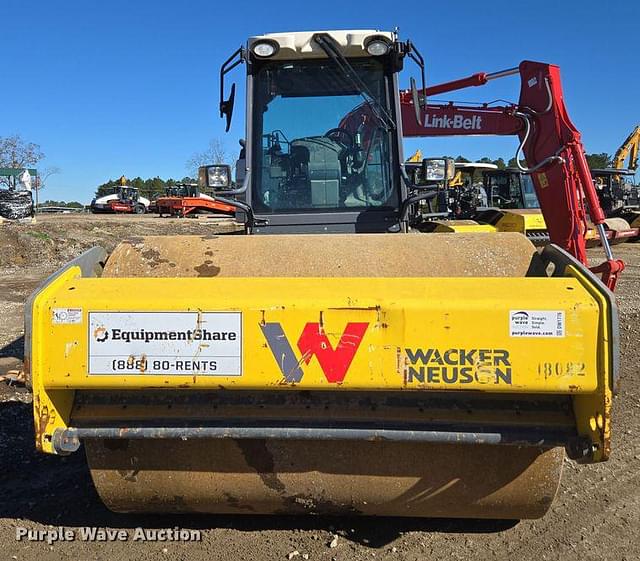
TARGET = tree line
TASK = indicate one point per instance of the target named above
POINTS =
(152, 187)
(70, 204)
(149, 188)
(15, 152)
(595, 161)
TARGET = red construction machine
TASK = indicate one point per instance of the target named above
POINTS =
(186, 199)
(549, 141)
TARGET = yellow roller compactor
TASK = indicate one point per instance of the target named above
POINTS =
(333, 360)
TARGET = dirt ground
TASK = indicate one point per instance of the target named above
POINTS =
(596, 515)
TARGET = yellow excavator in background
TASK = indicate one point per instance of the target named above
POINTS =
(617, 188)
(628, 152)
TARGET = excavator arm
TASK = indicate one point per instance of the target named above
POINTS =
(550, 143)
(628, 149)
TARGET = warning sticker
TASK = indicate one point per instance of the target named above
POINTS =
(66, 316)
(187, 343)
(536, 323)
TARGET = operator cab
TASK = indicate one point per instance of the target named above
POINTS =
(182, 190)
(128, 194)
(616, 189)
(510, 188)
(323, 146)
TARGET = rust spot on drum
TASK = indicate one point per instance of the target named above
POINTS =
(129, 475)
(207, 269)
(234, 502)
(153, 257)
(258, 456)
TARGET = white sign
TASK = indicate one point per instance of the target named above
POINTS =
(182, 343)
(66, 316)
(536, 323)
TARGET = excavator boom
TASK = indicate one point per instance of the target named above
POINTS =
(628, 150)
(549, 142)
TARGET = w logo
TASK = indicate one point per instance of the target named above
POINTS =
(314, 342)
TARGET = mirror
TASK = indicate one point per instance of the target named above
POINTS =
(416, 100)
(241, 163)
(226, 106)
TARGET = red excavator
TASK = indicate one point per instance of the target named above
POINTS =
(549, 141)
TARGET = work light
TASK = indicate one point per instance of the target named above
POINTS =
(265, 49)
(378, 46)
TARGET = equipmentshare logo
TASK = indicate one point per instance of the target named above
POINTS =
(102, 334)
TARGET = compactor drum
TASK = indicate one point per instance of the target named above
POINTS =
(346, 365)
(325, 477)
(272, 475)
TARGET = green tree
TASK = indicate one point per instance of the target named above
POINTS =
(216, 153)
(107, 188)
(16, 153)
(599, 161)
(149, 188)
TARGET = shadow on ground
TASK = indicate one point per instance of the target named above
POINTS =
(58, 491)
(14, 349)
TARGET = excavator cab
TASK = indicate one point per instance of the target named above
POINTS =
(617, 190)
(510, 188)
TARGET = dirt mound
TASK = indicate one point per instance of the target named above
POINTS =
(51, 241)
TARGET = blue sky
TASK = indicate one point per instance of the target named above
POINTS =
(130, 87)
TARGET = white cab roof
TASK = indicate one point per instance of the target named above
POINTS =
(298, 44)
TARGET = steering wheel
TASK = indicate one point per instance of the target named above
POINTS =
(339, 132)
